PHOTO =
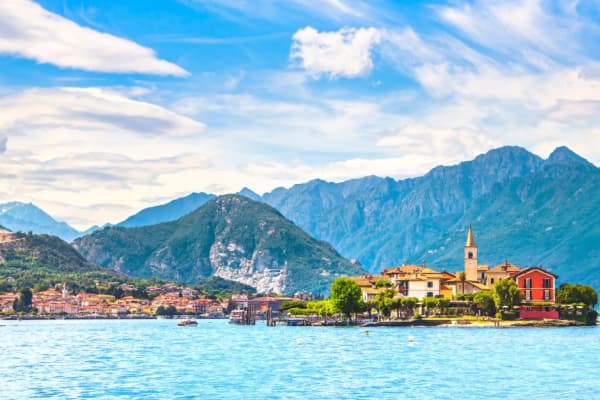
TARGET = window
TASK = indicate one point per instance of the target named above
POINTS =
(429, 294)
(429, 284)
(528, 295)
(546, 294)
(528, 283)
(546, 283)
(470, 256)
(492, 281)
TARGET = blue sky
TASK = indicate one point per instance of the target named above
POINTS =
(111, 106)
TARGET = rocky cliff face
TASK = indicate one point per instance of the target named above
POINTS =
(231, 237)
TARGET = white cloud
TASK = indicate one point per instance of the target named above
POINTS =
(28, 30)
(566, 111)
(87, 146)
(89, 110)
(515, 28)
(345, 53)
(443, 143)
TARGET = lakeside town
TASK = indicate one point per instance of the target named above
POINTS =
(418, 294)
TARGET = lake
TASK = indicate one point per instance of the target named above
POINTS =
(156, 359)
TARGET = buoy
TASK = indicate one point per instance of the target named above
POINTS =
(299, 341)
(411, 339)
(366, 333)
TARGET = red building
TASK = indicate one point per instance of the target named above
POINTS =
(537, 285)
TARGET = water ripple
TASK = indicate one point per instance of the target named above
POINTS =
(155, 359)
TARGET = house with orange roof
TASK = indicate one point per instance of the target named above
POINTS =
(367, 284)
(7, 300)
(416, 280)
(503, 271)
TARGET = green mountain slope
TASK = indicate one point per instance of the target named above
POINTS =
(548, 218)
(231, 237)
(31, 260)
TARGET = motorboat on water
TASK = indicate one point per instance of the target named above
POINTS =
(188, 322)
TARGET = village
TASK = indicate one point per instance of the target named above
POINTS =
(167, 300)
(415, 291)
(536, 286)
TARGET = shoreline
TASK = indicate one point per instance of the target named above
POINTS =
(95, 317)
(423, 323)
(546, 323)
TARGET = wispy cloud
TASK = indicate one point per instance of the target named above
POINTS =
(89, 110)
(27, 30)
(277, 11)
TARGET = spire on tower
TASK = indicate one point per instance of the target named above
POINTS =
(470, 239)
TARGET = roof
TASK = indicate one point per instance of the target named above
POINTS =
(479, 285)
(409, 269)
(403, 269)
(368, 280)
(476, 284)
(482, 268)
(447, 275)
(505, 267)
(531, 269)
(470, 238)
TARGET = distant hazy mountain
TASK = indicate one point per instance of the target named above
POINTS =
(25, 217)
(249, 194)
(167, 212)
(231, 237)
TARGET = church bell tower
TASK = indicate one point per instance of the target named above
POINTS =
(470, 257)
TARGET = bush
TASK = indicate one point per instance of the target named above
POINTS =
(509, 315)
(300, 311)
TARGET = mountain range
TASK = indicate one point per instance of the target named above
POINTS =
(231, 237)
(26, 217)
(523, 208)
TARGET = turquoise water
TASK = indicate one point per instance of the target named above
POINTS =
(156, 359)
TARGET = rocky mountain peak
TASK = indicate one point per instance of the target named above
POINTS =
(564, 156)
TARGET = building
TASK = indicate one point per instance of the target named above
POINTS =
(6, 301)
(416, 281)
(471, 258)
(536, 284)
(367, 284)
(503, 271)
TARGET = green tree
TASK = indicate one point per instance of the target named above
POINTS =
(384, 301)
(24, 302)
(383, 283)
(167, 311)
(397, 305)
(409, 304)
(570, 294)
(346, 296)
(430, 303)
(484, 301)
(506, 293)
